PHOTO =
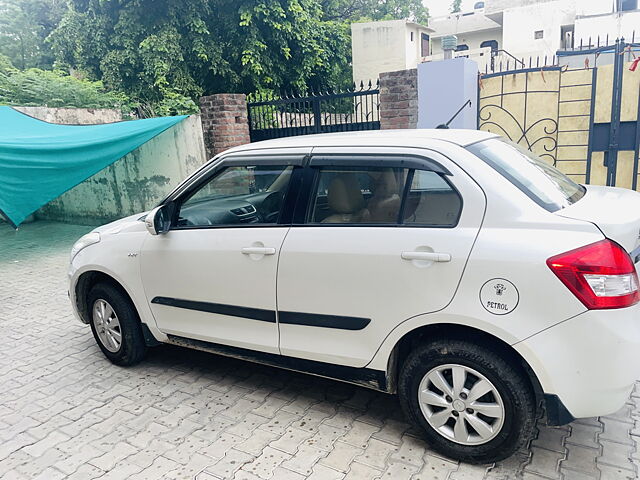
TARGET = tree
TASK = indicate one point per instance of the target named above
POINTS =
(455, 6)
(148, 48)
(166, 53)
(54, 89)
(24, 27)
(355, 10)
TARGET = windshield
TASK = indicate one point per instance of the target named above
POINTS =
(544, 184)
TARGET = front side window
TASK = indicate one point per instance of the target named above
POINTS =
(544, 184)
(237, 196)
(358, 195)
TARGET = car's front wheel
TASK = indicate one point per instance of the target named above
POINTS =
(115, 325)
(471, 403)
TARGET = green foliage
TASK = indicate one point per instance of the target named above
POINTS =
(24, 27)
(175, 104)
(455, 6)
(54, 89)
(358, 10)
(148, 48)
(166, 53)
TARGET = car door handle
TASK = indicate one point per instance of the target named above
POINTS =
(426, 256)
(258, 251)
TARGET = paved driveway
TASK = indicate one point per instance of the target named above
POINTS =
(66, 412)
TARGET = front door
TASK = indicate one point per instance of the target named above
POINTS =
(212, 277)
(378, 246)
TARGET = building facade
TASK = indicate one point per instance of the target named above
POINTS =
(519, 29)
(498, 33)
(386, 46)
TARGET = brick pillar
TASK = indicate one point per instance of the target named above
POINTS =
(399, 99)
(224, 121)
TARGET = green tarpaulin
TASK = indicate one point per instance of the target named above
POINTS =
(39, 161)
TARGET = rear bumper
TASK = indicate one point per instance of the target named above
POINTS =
(589, 362)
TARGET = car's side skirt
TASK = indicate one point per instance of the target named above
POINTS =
(366, 377)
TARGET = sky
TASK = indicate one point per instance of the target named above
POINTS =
(438, 8)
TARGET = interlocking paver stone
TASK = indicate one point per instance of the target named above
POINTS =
(66, 412)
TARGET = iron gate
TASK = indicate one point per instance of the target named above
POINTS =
(580, 111)
(357, 109)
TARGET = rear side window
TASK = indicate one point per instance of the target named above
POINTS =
(542, 183)
(431, 201)
(379, 195)
(358, 195)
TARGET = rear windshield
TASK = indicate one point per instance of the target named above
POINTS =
(542, 183)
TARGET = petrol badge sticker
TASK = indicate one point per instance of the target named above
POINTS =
(499, 296)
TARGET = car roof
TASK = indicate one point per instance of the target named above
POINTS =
(424, 137)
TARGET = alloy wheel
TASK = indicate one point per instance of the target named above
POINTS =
(107, 325)
(461, 404)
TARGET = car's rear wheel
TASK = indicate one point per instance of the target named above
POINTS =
(471, 403)
(115, 325)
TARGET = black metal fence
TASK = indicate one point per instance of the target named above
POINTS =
(289, 115)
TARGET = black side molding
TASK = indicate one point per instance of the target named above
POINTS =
(222, 309)
(557, 413)
(320, 320)
(291, 318)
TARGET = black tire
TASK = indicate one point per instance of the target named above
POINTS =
(511, 383)
(132, 347)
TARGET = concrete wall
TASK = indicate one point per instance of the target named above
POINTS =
(73, 116)
(134, 183)
(615, 26)
(520, 25)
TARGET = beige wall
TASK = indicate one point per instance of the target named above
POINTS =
(385, 46)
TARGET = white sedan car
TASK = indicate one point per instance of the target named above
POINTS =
(449, 266)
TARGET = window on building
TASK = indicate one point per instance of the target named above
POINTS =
(462, 47)
(538, 34)
(566, 36)
(424, 45)
(493, 44)
(411, 36)
(626, 5)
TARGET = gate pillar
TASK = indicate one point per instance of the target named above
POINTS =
(443, 88)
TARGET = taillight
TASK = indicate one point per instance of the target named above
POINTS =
(600, 275)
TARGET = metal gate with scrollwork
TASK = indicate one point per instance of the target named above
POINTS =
(356, 109)
(585, 120)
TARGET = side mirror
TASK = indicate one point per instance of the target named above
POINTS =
(158, 220)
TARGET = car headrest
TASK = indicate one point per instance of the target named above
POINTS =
(344, 194)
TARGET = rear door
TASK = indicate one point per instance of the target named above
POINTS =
(355, 264)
